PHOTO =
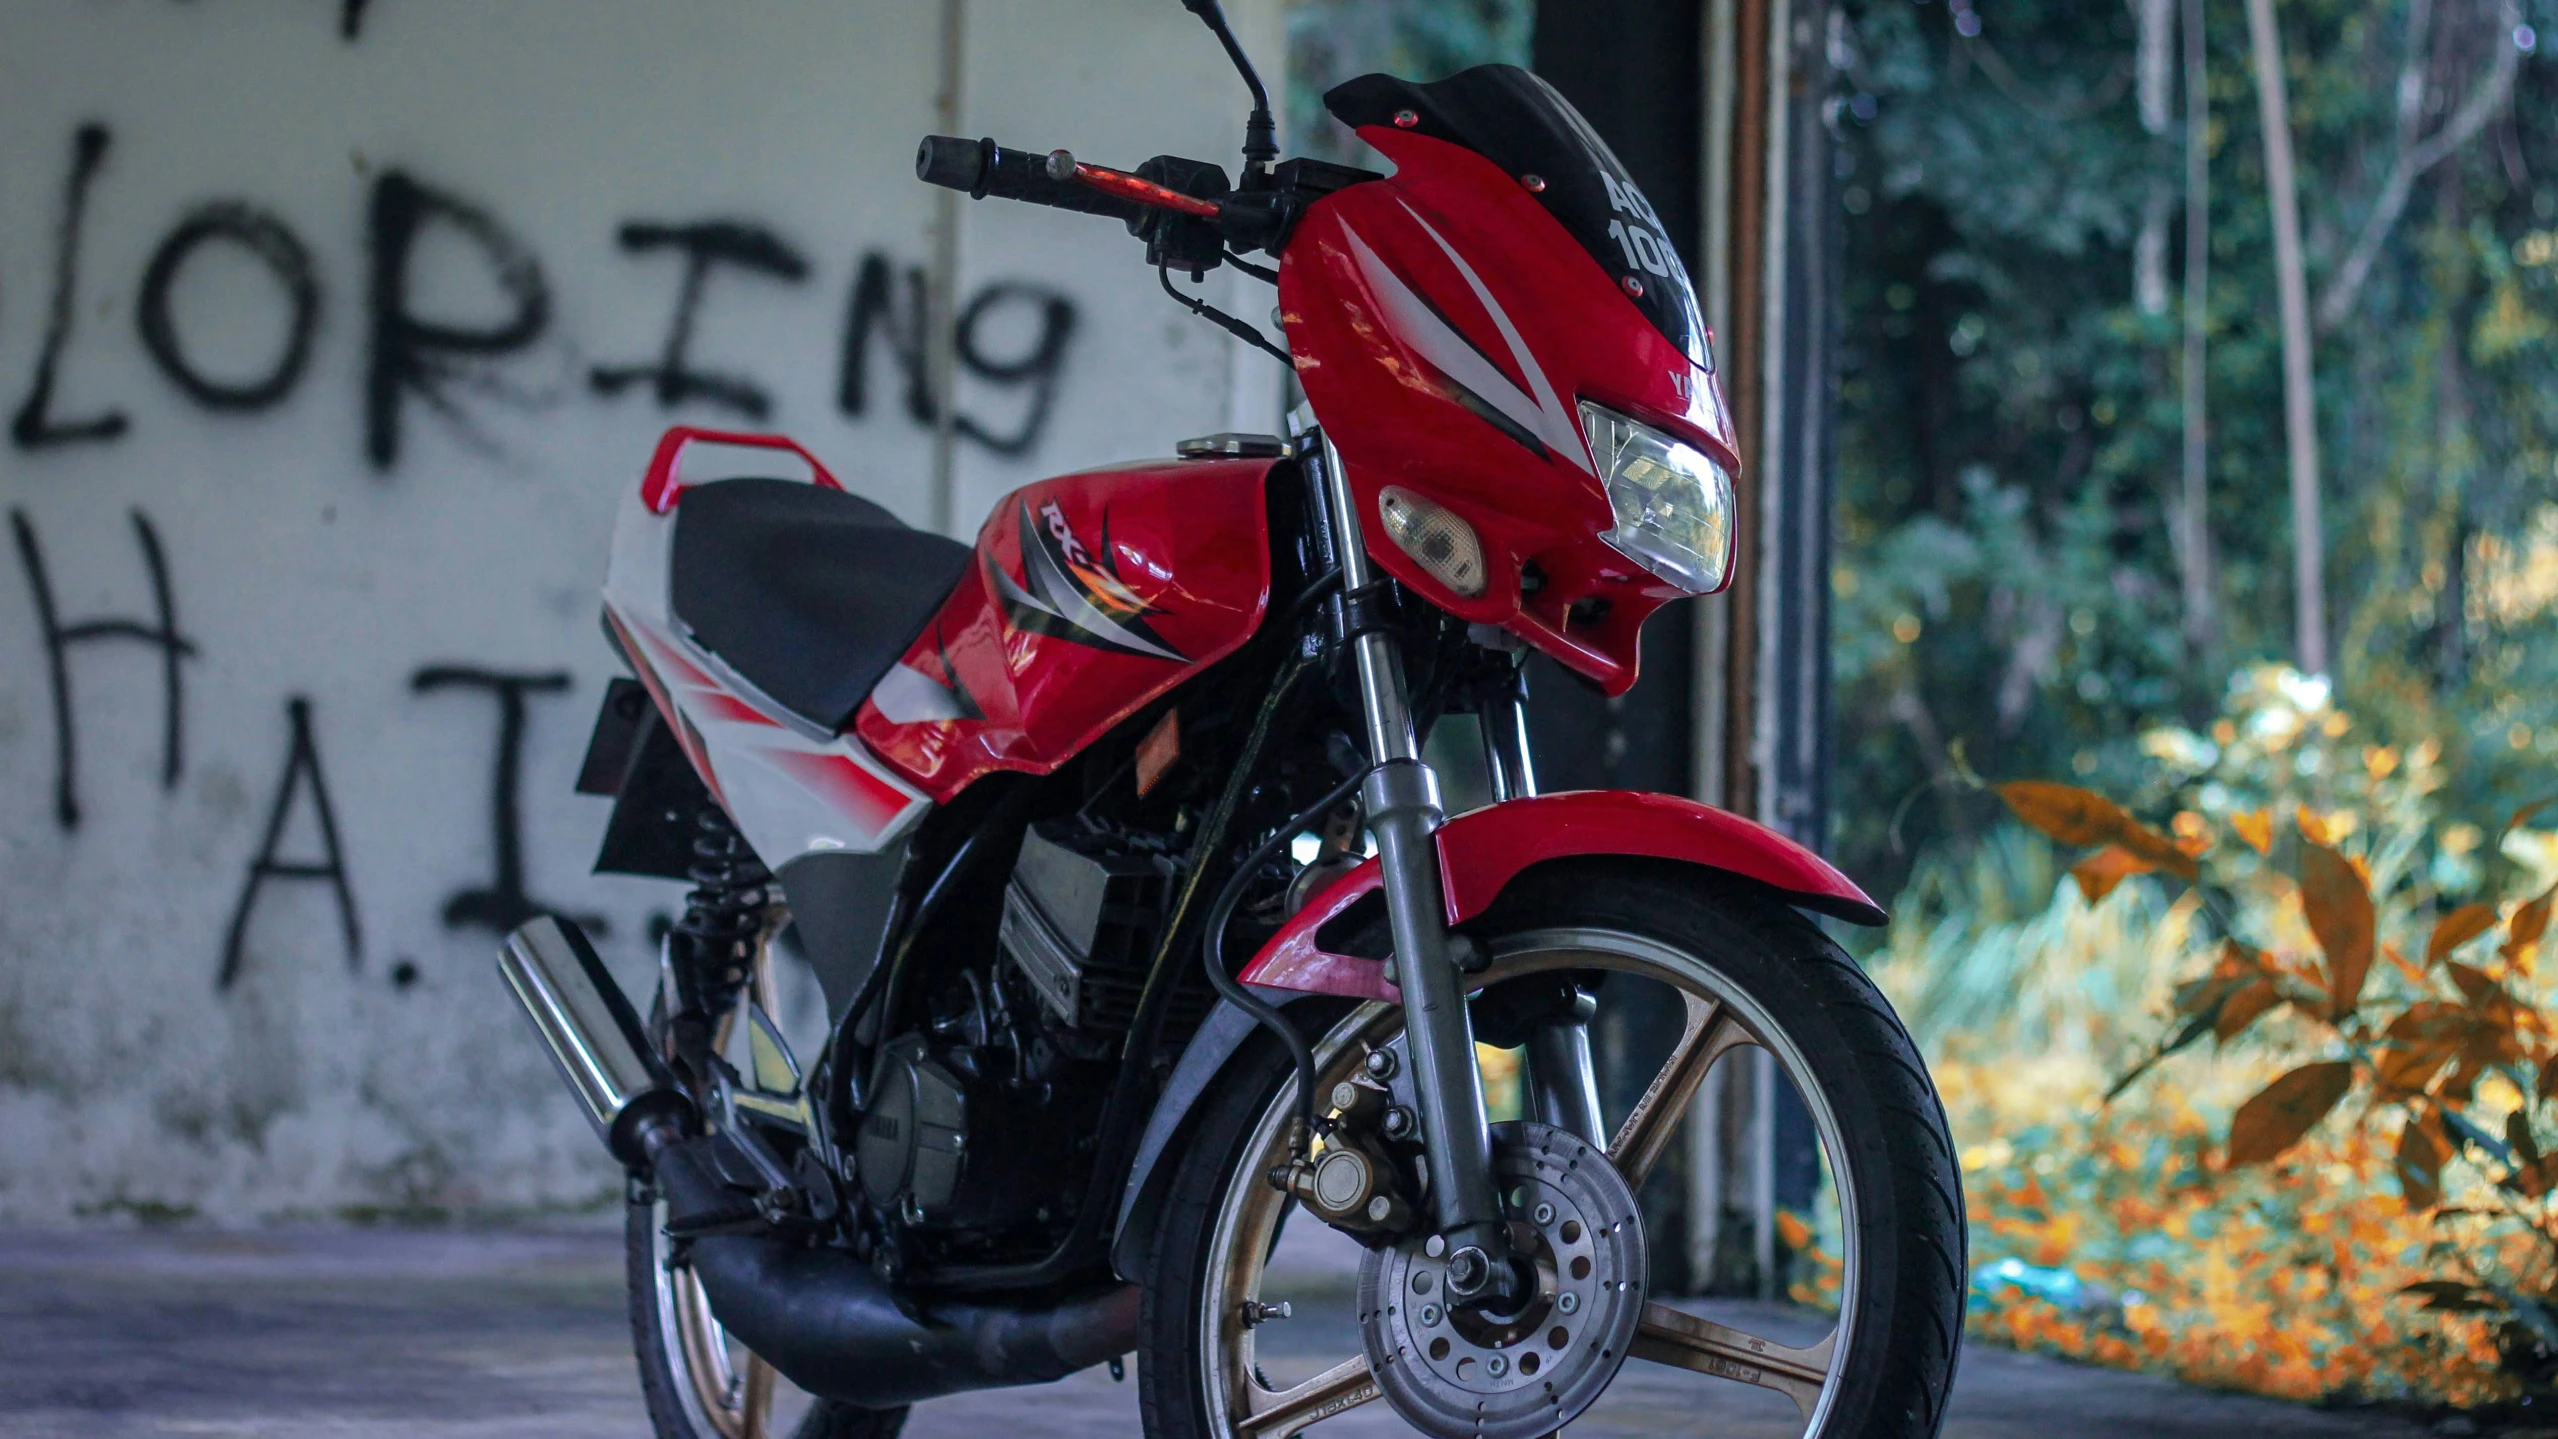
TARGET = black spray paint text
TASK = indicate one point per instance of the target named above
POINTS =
(414, 358)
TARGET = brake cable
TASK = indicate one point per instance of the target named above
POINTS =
(1232, 326)
(1262, 273)
(1240, 995)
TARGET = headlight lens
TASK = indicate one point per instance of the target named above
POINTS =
(1436, 537)
(1673, 505)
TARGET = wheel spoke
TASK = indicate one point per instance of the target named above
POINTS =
(1709, 1032)
(758, 1416)
(1675, 1337)
(1275, 1415)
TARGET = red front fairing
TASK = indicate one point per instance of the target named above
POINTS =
(1092, 594)
(1444, 327)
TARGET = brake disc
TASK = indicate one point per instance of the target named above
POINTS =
(1527, 1373)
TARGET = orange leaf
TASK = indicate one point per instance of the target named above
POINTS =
(2529, 923)
(2421, 1153)
(2312, 828)
(2285, 1110)
(2255, 826)
(2419, 1042)
(2065, 812)
(2518, 1135)
(2463, 1082)
(2204, 996)
(2157, 848)
(2338, 905)
(2083, 817)
(2527, 811)
(2240, 1009)
(2458, 928)
(2489, 1037)
(2100, 872)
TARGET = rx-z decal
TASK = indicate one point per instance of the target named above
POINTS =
(1063, 592)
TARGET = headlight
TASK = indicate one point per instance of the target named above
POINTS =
(1435, 537)
(1673, 505)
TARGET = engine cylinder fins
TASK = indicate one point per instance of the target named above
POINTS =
(1080, 923)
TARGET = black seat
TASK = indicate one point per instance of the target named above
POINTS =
(807, 592)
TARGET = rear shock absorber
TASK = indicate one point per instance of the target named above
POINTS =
(713, 946)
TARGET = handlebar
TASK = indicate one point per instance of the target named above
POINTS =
(983, 168)
(1188, 223)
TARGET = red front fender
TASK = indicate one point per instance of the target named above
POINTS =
(1482, 850)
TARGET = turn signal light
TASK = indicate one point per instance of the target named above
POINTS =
(1436, 537)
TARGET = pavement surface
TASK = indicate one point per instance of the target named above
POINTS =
(376, 1334)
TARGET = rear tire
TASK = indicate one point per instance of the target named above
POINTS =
(1743, 959)
(682, 1406)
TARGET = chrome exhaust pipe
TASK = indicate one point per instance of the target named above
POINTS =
(595, 1039)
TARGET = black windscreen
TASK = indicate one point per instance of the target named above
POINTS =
(1521, 124)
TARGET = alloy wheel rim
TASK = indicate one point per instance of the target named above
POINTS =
(1250, 1214)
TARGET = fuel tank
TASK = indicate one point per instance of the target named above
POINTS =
(1092, 594)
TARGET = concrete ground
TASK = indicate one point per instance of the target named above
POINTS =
(521, 1335)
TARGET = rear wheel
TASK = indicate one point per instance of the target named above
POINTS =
(1747, 976)
(701, 1384)
(698, 1382)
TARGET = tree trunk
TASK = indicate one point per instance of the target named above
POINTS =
(2157, 23)
(2291, 285)
(2202, 621)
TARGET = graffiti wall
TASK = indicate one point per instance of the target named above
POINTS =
(331, 333)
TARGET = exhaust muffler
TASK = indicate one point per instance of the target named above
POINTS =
(595, 1039)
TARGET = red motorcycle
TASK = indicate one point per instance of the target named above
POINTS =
(1144, 933)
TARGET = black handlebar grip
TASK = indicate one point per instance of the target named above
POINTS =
(950, 162)
(983, 168)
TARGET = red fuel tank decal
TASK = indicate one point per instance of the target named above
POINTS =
(1092, 595)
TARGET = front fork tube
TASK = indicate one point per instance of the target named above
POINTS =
(1401, 797)
(1563, 1086)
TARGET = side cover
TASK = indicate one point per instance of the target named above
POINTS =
(1092, 595)
(792, 787)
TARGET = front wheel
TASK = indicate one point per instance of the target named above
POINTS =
(1747, 975)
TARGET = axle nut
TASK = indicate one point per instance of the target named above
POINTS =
(1468, 1269)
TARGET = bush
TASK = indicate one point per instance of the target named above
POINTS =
(2348, 1191)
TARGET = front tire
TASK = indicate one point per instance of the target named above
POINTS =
(1751, 972)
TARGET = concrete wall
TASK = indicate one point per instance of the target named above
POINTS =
(374, 481)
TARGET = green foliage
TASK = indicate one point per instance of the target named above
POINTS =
(1330, 41)
(2007, 580)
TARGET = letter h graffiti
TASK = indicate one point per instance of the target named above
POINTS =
(61, 637)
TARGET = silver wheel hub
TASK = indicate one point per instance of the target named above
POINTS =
(1473, 1374)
